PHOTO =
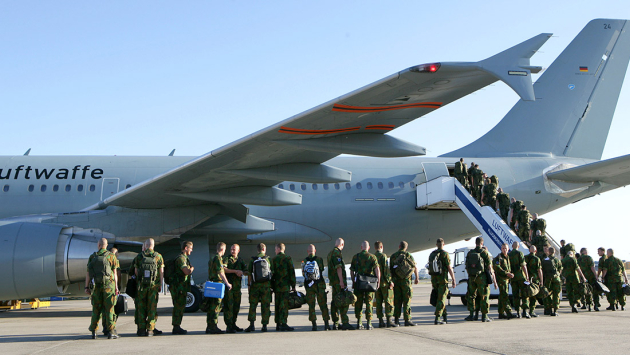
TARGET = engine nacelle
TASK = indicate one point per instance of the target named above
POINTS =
(39, 260)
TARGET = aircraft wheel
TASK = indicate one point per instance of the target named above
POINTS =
(193, 299)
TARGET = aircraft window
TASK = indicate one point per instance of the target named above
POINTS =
(55, 188)
(31, 188)
(325, 186)
(348, 186)
(390, 185)
(292, 187)
(92, 187)
(68, 187)
(336, 186)
(314, 186)
(359, 186)
(369, 186)
(43, 188)
(80, 187)
(303, 187)
(128, 186)
(380, 185)
(281, 186)
(6, 188)
(401, 184)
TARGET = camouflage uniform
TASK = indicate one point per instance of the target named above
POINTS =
(614, 276)
(516, 207)
(363, 263)
(600, 267)
(215, 269)
(104, 294)
(570, 273)
(232, 302)
(316, 291)
(335, 261)
(586, 263)
(490, 196)
(553, 283)
(116, 299)
(283, 280)
(523, 225)
(478, 178)
(440, 282)
(470, 177)
(384, 293)
(259, 292)
(533, 266)
(148, 295)
(478, 284)
(501, 266)
(504, 205)
(179, 287)
(539, 241)
(403, 291)
(539, 224)
(517, 260)
(461, 174)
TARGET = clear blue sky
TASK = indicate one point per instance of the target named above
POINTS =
(144, 77)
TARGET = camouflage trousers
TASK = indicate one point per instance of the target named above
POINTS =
(103, 300)
(572, 292)
(403, 292)
(317, 293)
(114, 315)
(146, 303)
(281, 307)
(554, 285)
(462, 179)
(533, 301)
(477, 285)
(214, 308)
(232, 305)
(519, 295)
(367, 298)
(178, 295)
(260, 292)
(338, 313)
(504, 213)
(616, 292)
(384, 295)
(504, 297)
(523, 233)
(609, 297)
(442, 292)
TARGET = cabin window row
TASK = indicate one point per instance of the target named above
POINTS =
(55, 188)
(348, 186)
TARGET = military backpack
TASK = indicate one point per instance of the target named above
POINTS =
(100, 268)
(474, 263)
(458, 168)
(311, 271)
(148, 270)
(435, 263)
(262, 271)
(169, 271)
(403, 266)
(549, 268)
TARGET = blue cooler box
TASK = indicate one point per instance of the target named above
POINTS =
(213, 289)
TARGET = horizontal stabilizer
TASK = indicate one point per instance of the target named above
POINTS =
(615, 171)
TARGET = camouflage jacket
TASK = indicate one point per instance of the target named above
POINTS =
(539, 242)
(602, 262)
(503, 199)
(516, 207)
(614, 269)
(215, 269)
(235, 263)
(533, 266)
(335, 261)
(569, 269)
(386, 275)
(517, 260)
(364, 263)
(182, 261)
(283, 273)
(586, 263)
(113, 262)
(558, 265)
(478, 177)
(523, 219)
(501, 266)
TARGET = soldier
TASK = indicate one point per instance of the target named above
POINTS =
(315, 286)
(479, 181)
(385, 293)
(132, 275)
(614, 272)
(534, 270)
(600, 269)
(118, 274)
(149, 270)
(489, 195)
(439, 281)
(552, 268)
(515, 208)
(235, 268)
(503, 204)
(539, 241)
(283, 277)
(101, 270)
(563, 252)
(337, 279)
(522, 224)
(519, 267)
(366, 264)
(572, 274)
(402, 265)
(216, 274)
(180, 286)
(471, 172)
(588, 269)
(460, 172)
(259, 290)
(478, 266)
(538, 224)
(503, 274)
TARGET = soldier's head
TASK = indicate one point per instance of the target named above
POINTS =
(515, 245)
(479, 241)
(562, 242)
(550, 251)
(114, 251)
(365, 245)
(102, 243)
(403, 246)
(149, 244)
(570, 253)
(279, 248)
(532, 249)
(439, 243)
(538, 233)
(311, 249)
(513, 200)
(187, 247)
(583, 251)
(610, 252)
(235, 249)
(472, 164)
(476, 166)
(535, 216)
(220, 248)
(339, 243)
(504, 249)
(524, 208)
(461, 159)
(262, 248)
(378, 246)
(601, 251)
(500, 190)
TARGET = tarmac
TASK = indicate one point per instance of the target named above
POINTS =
(62, 329)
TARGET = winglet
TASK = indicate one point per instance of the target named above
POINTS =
(513, 68)
(171, 153)
(27, 152)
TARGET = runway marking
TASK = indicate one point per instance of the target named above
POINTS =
(443, 341)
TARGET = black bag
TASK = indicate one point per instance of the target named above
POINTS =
(296, 299)
(132, 288)
(488, 277)
(169, 271)
(366, 283)
(600, 288)
(433, 298)
(626, 290)
(121, 305)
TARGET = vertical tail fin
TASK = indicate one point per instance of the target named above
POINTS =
(575, 101)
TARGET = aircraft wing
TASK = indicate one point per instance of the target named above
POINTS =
(615, 171)
(245, 171)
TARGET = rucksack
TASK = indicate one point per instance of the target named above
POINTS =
(311, 271)
(169, 271)
(403, 266)
(148, 270)
(494, 180)
(344, 298)
(435, 263)
(458, 168)
(100, 268)
(262, 271)
(549, 268)
(474, 263)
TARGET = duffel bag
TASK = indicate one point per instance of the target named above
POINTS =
(543, 292)
(296, 299)
(344, 298)
(532, 289)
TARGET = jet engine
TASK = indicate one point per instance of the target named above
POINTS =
(39, 260)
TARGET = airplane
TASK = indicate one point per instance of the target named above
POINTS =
(293, 182)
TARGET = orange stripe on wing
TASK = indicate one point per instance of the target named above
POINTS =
(347, 108)
(289, 130)
(384, 127)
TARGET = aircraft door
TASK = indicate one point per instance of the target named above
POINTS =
(110, 187)
(434, 170)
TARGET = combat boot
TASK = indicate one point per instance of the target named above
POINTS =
(509, 315)
(335, 326)
(264, 328)
(369, 326)
(237, 328)
(409, 323)
(437, 321)
(314, 326)
(142, 333)
(391, 323)
(177, 330)
(574, 309)
(596, 309)
(230, 329)
(381, 323)
(326, 325)
(397, 321)
(502, 316)
(285, 328)
(444, 317)
(517, 314)
(526, 315)
(113, 334)
(251, 327)
(346, 326)
(533, 314)
(94, 335)
(554, 313)
(476, 316)
(485, 318)
(359, 325)
(278, 328)
(470, 318)
(547, 311)
(611, 308)
(157, 332)
(584, 306)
